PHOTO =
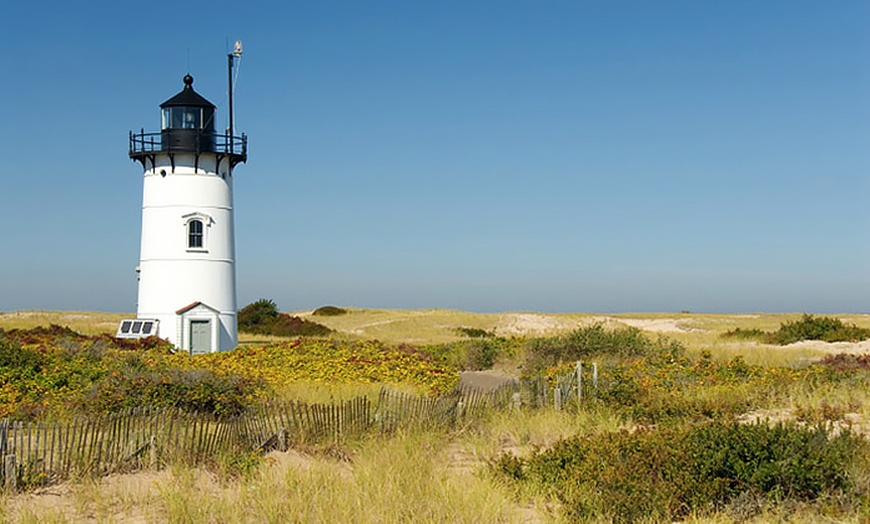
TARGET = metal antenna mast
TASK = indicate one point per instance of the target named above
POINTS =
(237, 52)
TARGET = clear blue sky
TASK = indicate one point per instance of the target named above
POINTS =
(483, 155)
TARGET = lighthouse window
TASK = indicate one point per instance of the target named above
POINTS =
(194, 234)
(182, 118)
(192, 119)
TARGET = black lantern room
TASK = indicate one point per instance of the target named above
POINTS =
(187, 126)
(187, 121)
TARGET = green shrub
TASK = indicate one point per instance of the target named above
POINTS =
(826, 329)
(668, 387)
(782, 461)
(329, 311)
(262, 318)
(667, 474)
(809, 327)
(745, 334)
(255, 314)
(195, 390)
(58, 373)
(58, 376)
(480, 355)
(40, 333)
(595, 340)
(475, 354)
(844, 362)
(471, 332)
(289, 326)
(16, 359)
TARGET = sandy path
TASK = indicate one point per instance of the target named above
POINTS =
(656, 325)
(484, 380)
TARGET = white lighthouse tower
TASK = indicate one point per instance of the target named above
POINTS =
(187, 272)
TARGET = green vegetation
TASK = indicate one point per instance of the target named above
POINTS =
(475, 354)
(134, 384)
(745, 334)
(55, 372)
(809, 327)
(472, 332)
(847, 363)
(256, 314)
(819, 328)
(424, 326)
(543, 355)
(329, 311)
(262, 318)
(685, 427)
(666, 474)
(595, 340)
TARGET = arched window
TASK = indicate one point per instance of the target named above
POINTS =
(196, 226)
(195, 234)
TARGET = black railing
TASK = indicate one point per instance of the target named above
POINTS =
(187, 141)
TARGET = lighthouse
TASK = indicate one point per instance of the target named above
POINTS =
(187, 261)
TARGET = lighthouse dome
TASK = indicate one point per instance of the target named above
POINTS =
(188, 121)
(187, 97)
(188, 110)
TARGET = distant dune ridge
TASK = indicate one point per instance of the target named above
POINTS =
(421, 326)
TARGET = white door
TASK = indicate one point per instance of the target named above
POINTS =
(200, 336)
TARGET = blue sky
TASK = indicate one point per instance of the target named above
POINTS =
(606, 156)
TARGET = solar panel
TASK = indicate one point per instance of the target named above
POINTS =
(137, 327)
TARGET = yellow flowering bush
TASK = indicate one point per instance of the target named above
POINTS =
(664, 385)
(336, 362)
(57, 372)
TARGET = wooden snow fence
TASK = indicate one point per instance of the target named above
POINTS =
(38, 453)
(574, 387)
(280, 425)
(44, 452)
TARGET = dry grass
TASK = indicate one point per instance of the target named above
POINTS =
(407, 478)
(412, 326)
(319, 392)
(697, 332)
(411, 477)
(85, 322)
(416, 477)
(431, 326)
(523, 432)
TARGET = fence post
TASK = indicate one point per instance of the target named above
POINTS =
(515, 401)
(595, 378)
(579, 381)
(282, 439)
(557, 398)
(545, 394)
(152, 452)
(11, 472)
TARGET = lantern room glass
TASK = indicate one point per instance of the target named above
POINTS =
(187, 118)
